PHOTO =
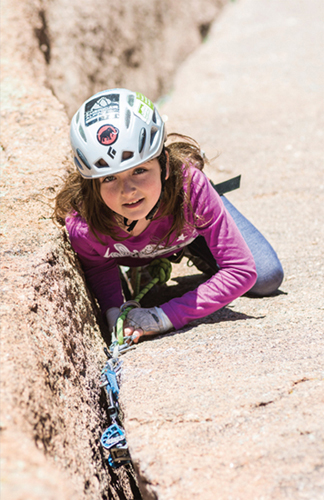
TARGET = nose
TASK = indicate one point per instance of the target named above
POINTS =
(127, 185)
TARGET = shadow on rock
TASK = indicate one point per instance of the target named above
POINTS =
(160, 294)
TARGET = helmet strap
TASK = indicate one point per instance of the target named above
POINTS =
(163, 162)
(152, 212)
(130, 226)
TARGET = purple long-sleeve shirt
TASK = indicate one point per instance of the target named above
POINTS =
(236, 275)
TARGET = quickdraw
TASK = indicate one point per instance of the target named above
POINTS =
(113, 439)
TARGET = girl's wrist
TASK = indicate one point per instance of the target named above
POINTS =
(167, 325)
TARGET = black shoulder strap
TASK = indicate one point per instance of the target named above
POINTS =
(227, 186)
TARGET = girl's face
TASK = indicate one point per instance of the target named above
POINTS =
(133, 193)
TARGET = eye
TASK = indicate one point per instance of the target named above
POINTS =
(109, 178)
(139, 170)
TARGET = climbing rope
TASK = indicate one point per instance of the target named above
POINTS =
(160, 270)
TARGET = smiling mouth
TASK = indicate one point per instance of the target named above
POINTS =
(133, 204)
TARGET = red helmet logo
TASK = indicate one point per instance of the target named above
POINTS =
(107, 135)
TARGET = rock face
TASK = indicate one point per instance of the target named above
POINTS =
(91, 46)
(52, 337)
(232, 406)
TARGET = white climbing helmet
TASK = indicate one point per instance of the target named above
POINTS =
(115, 130)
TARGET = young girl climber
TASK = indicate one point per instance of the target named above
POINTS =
(134, 199)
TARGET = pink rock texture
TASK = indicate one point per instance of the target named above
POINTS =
(138, 44)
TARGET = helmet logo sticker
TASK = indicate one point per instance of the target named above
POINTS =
(107, 135)
(143, 107)
(105, 107)
(111, 152)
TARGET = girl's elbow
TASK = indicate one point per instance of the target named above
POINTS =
(251, 278)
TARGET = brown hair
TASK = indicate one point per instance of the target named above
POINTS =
(83, 195)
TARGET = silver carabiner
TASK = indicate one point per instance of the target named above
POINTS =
(132, 303)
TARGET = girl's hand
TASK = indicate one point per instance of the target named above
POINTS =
(134, 333)
(151, 321)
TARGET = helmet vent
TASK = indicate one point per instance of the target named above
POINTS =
(101, 163)
(78, 117)
(154, 131)
(82, 133)
(83, 158)
(131, 99)
(141, 140)
(127, 155)
(127, 118)
(154, 117)
(78, 164)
